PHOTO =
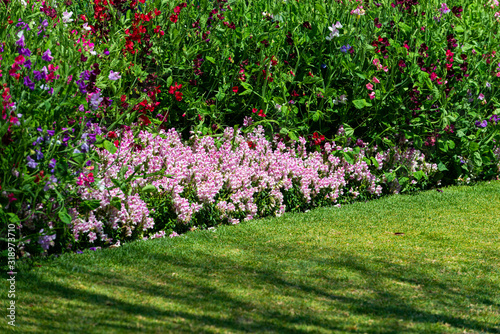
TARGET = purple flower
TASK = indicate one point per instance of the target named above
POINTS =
(84, 147)
(25, 52)
(85, 75)
(51, 132)
(95, 100)
(31, 163)
(91, 138)
(82, 86)
(39, 75)
(88, 163)
(20, 41)
(28, 83)
(46, 240)
(114, 75)
(482, 124)
(495, 119)
(47, 56)
(52, 163)
(345, 48)
(79, 252)
(38, 155)
(38, 141)
(106, 52)
(27, 64)
(444, 9)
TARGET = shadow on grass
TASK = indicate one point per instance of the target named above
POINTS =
(202, 297)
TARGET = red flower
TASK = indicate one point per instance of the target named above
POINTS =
(251, 144)
(158, 30)
(11, 198)
(144, 120)
(173, 18)
(177, 10)
(112, 134)
(235, 89)
(178, 96)
(254, 110)
(117, 143)
(157, 12)
(261, 113)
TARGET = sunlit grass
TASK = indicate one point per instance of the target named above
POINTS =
(425, 263)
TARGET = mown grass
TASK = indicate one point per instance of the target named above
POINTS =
(424, 263)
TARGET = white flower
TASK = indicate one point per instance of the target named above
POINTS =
(334, 31)
(67, 17)
(343, 99)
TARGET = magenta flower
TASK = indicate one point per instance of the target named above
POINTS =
(369, 86)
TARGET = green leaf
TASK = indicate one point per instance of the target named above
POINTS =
(360, 104)
(320, 8)
(442, 167)
(149, 188)
(349, 131)
(419, 175)
(443, 146)
(116, 202)
(170, 80)
(406, 28)
(64, 216)
(210, 59)
(477, 159)
(390, 177)
(349, 157)
(375, 162)
(247, 86)
(89, 205)
(451, 144)
(110, 147)
(473, 146)
(316, 116)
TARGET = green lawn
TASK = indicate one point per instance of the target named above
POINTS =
(424, 263)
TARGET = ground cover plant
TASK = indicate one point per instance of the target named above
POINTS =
(422, 263)
(112, 109)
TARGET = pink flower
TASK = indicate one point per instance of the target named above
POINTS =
(375, 80)
(372, 95)
(369, 86)
(481, 97)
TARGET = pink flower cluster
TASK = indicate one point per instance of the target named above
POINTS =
(228, 175)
